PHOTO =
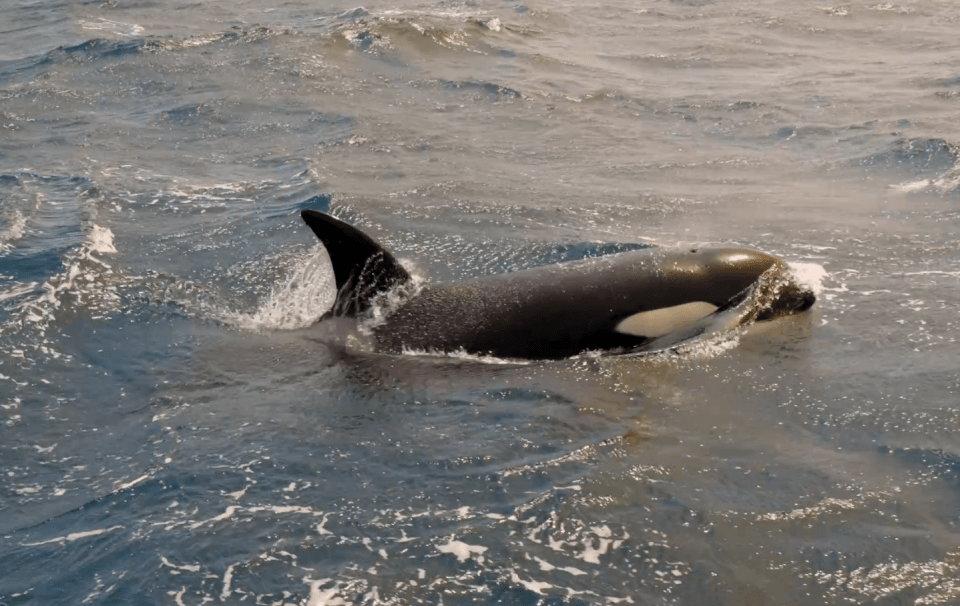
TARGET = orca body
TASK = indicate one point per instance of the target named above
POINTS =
(618, 303)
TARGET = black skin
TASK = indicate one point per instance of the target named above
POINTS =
(550, 312)
(558, 311)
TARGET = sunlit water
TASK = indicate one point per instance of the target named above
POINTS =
(173, 429)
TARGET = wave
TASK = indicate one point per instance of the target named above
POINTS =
(434, 33)
(481, 89)
(95, 49)
(922, 157)
(13, 231)
(916, 154)
(98, 48)
(30, 308)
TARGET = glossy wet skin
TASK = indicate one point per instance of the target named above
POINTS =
(731, 261)
(557, 311)
(615, 304)
(715, 275)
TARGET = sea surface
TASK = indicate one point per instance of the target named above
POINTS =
(176, 430)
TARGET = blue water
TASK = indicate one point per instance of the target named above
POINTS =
(175, 430)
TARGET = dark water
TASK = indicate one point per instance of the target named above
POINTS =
(174, 431)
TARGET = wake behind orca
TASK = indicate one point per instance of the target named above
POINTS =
(620, 303)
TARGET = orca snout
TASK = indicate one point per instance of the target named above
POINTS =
(801, 301)
(790, 300)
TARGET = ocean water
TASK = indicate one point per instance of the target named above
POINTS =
(174, 429)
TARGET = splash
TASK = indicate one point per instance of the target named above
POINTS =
(13, 232)
(463, 355)
(808, 275)
(100, 240)
(299, 301)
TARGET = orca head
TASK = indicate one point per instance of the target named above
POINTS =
(731, 269)
(719, 276)
(362, 267)
(706, 281)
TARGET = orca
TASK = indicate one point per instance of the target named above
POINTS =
(616, 304)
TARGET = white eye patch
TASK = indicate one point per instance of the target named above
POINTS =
(659, 322)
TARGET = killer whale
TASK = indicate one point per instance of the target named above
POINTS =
(620, 303)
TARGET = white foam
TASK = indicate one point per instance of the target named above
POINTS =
(325, 597)
(946, 183)
(591, 554)
(131, 483)
(14, 231)
(705, 349)
(100, 240)
(95, 286)
(321, 527)
(892, 8)
(227, 581)
(827, 505)
(237, 494)
(223, 516)
(115, 27)
(462, 354)
(548, 567)
(279, 509)
(196, 40)
(910, 187)
(76, 536)
(493, 25)
(184, 567)
(353, 14)
(534, 586)
(462, 550)
(17, 290)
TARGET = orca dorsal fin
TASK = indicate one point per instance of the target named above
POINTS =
(361, 267)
